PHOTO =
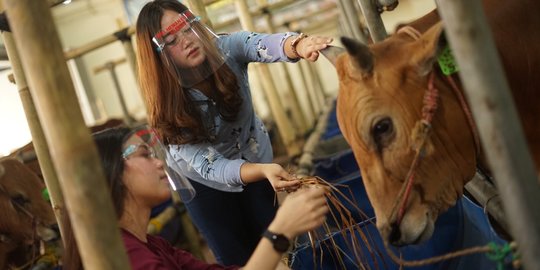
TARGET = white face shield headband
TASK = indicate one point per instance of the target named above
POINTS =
(188, 50)
(149, 144)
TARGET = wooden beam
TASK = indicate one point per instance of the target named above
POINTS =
(72, 149)
(495, 114)
(38, 137)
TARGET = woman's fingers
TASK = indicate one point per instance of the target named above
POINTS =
(288, 186)
(313, 45)
(314, 201)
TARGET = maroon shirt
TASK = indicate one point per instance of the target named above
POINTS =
(158, 254)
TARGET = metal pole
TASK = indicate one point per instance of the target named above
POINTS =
(343, 20)
(38, 138)
(74, 155)
(125, 38)
(373, 20)
(112, 70)
(350, 15)
(284, 125)
(111, 67)
(495, 114)
(488, 196)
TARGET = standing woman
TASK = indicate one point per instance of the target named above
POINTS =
(196, 89)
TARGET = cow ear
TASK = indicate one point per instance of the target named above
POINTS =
(331, 53)
(361, 57)
(428, 48)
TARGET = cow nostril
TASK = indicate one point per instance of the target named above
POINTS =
(395, 234)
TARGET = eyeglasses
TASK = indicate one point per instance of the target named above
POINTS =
(144, 149)
(178, 37)
(176, 32)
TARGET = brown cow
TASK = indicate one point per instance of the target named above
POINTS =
(21, 205)
(380, 102)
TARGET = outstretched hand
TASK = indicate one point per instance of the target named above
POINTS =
(302, 211)
(279, 178)
(309, 47)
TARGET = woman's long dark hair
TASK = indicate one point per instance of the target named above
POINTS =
(109, 144)
(171, 110)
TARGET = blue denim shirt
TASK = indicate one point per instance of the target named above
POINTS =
(217, 164)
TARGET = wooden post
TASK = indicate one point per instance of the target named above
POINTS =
(497, 120)
(198, 7)
(71, 146)
(257, 12)
(373, 20)
(284, 125)
(311, 88)
(317, 83)
(96, 44)
(298, 115)
(38, 138)
(312, 112)
(305, 163)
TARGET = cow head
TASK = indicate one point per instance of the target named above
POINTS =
(26, 216)
(378, 106)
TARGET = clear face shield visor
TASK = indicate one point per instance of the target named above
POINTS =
(144, 141)
(187, 49)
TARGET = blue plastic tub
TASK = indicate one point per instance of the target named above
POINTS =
(464, 225)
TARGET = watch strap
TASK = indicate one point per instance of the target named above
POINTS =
(279, 241)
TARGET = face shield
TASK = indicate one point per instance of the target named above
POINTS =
(187, 48)
(145, 140)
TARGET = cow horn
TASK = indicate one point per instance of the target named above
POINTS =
(331, 53)
(361, 56)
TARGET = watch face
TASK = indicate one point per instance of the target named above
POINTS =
(281, 243)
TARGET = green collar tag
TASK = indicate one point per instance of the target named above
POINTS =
(447, 62)
(45, 194)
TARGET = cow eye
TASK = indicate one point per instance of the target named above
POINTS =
(19, 199)
(382, 132)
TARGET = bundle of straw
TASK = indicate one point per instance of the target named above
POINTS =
(341, 220)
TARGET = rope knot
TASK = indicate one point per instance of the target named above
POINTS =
(420, 135)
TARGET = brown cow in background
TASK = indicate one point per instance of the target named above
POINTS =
(380, 102)
(21, 183)
(26, 216)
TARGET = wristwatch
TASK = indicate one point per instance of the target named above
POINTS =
(279, 241)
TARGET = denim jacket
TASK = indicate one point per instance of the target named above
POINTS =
(217, 164)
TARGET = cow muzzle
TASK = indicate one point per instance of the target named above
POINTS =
(413, 229)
